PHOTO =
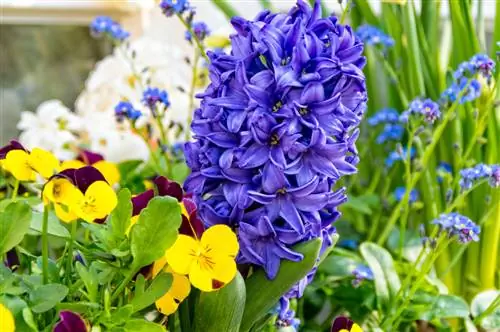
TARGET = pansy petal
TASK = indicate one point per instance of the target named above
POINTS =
(220, 239)
(166, 304)
(87, 175)
(89, 157)
(201, 278)
(67, 164)
(180, 286)
(179, 256)
(43, 162)
(224, 270)
(64, 213)
(140, 201)
(70, 322)
(109, 170)
(17, 163)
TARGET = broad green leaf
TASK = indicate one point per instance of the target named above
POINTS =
(46, 297)
(121, 215)
(446, 306)
(338, 266)
(358, 205)
(263, 294)
(141, 325)
(180, 172)
(159, 287)
(31, 201)
(380, 261)
(122, 314)
(55, 227)
(29, 319)
(155, 231)
(128, 167)
(79, 307)
(89, 278)
(14, 224)
(221, 310)
(480, 303)
(411, 247)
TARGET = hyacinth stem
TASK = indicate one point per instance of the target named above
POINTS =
(428, 153)
(191, 94)
(197, 41)
(15, 190)
(45, 245)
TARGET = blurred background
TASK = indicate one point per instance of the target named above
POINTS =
(46, 51)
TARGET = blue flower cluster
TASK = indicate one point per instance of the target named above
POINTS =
(455, 224)
(399, 192)
(104, 25)
(154, 97)
(171, 7)
(361, 273)
(481, 171)
(426, 108)
(125, 110)
(465, 83)
(200, 29)
(392, 131)
(385, 115)
(371, 35)
(276, 130)
(397, 155)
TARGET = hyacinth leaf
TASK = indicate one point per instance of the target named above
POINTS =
(486, 313)
(221, 310)
(14, 224)
(141, 325)
(259, 302)
(46, 297)
(386, 279)
(155, 231)
(145, 297)
(54, 227)
(446, 306)
(120, 217)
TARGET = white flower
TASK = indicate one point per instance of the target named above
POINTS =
(52, 128)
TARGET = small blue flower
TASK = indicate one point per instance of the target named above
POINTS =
(154, 96)
(470, 89)
(385, 115)
(495, 176)
(104, 25)
(371, 35)
(125, 110)
(200, 30)
(348, 244)
(361, 273)
(458, 225)
(400, 191)
(391, 132)
(426, 108)
(171, 7)
(481, 171)
(398, 155)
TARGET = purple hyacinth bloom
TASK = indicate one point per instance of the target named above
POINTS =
(153, 97)
(455, 224)
(275, 131)
(171, 7)
(70, 322)
(361, 273)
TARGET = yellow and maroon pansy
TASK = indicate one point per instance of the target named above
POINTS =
(88, 158)
(178, 291)
(344, 324)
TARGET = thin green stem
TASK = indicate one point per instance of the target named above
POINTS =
(191, 94)
(15, 190)
(345, 11)
(69, 257)
(124, 284)
(45, 245)
(197, 41)
(491, 308)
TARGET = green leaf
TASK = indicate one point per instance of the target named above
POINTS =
(46, 297)
(31, 201)
(263, 294)
(121, 215)
(141, 325)
(358, 204)
(386, 279)
(446, 306)
(411, 247)
(221, 310)
(122, 314)
(155, 231)
(89, 278)
(127, 167)
(338, 266)
(14, 224)
(144, 298)
(16, 307)
(29, 319)
(480, 303)
(55, 227)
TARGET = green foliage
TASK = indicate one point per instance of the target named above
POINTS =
(46, 297)
(155, 231)
(14, 224)
(144, 297)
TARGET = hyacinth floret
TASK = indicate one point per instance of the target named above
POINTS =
(171, 7)
(276, 130)
(371, 35)
(455, 224)
(469, 176)
(104, 25)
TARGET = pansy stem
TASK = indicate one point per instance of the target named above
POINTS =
(124, 283)
(45, 245)
(69, 258)
(15, 191)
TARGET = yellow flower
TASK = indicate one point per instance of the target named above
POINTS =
(62, 193)
(6, 320)
(178, 291)
(209, 262)
(24, 165)
(355, 328)
(97, 202)
(217, 41)
(108, 170)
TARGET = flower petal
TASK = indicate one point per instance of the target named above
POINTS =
(179, 254)
(43, 162)
(220, 239)
(16, 162)
(109, 170)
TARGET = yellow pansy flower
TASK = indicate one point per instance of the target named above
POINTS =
(178, 291)
(355, 328)
(62, 193)
(67, 164)
(97, 202)
(109, 170)
(7, 323)
(209, 262)
(24, 165)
